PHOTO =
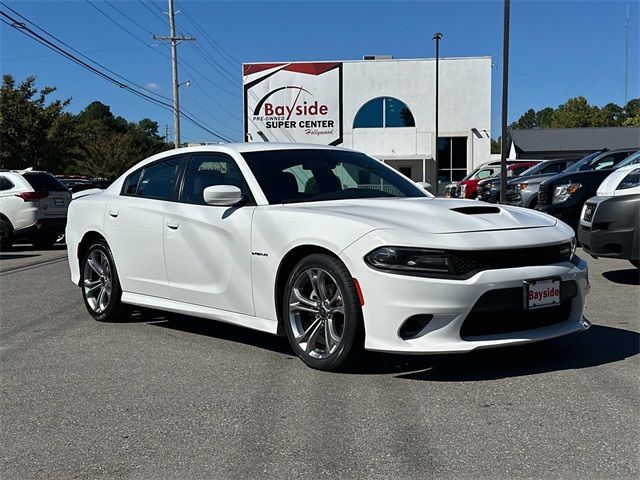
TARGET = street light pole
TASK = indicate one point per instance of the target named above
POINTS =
(437, 37)
(505, 96)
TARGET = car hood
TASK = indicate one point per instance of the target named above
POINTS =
(428, 215)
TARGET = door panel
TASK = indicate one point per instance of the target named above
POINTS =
(207, 248)
(134, 228)
(134, 224)
(208, 251)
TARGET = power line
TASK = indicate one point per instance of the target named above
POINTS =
(191, 71)
(24, 29)
(80, 53)
(216, 46)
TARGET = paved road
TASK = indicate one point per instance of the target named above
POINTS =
(178, 397)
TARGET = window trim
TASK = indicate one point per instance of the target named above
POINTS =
(174, 195)
(384, 112)
(249, 200)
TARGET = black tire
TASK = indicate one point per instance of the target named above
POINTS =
(43, 241)
(349, 322)
(6, 235)
(114, 310)
(635, 263)
(533, 204)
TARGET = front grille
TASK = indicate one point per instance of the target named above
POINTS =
(467, 264)
(543, 195)
(502, 311)
(588, 212)
(512, 194)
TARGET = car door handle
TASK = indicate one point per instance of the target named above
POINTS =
(173, 224)
(114, 213)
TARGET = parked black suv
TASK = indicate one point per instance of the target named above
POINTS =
(564, 195)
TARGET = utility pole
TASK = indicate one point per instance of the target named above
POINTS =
(437, 37)
(174, 69)
(626, 56)
(505, 96)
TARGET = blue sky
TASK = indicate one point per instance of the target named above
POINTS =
(558, 49)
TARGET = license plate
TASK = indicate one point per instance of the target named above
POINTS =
(541, 293)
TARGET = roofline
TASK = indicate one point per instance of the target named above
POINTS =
(573, 129)
(372, 61)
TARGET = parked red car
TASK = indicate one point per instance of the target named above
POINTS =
(468, 187)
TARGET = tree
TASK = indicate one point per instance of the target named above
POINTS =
(109, 145)
(34, 133)
(575, 113)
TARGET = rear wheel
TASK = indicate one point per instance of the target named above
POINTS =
(101, 289)
(322, 313)
(6, 235)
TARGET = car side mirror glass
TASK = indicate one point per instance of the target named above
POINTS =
(222, 195)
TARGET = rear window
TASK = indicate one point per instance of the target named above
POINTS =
(43, 182)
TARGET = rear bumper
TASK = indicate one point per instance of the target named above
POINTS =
(42, 226)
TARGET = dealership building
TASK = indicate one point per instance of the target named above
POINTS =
(379, 105)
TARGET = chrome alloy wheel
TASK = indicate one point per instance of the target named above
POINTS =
(316, 312)
(98, 281)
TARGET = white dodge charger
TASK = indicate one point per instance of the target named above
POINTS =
(327, 246)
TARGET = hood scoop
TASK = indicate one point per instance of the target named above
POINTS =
(479, 210)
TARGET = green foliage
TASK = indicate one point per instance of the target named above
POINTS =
(34, 133)
(576, 113)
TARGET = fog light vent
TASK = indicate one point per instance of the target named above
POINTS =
(413, 325)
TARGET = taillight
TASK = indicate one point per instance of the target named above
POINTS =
(32, 196)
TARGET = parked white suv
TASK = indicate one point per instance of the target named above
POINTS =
(33, 208)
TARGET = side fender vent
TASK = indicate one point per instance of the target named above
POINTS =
(480, 210)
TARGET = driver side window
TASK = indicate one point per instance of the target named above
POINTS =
(207, 170)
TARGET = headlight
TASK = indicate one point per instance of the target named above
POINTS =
(495, 186)
(562, 192)
(410, 260)
(523, 186)
(631, 180)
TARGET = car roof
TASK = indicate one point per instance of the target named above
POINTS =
(252, 147)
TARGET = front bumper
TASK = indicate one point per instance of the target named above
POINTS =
(451, 303)
(613, 229)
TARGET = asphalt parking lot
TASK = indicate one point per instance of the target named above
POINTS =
(176, 397)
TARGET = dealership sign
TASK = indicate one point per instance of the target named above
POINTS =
(293, 102)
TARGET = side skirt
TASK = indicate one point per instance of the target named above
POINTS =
(255, 323)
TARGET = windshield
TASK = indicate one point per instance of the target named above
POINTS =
(631, 159)
(535, 169)
(311, 175)
(582, 164)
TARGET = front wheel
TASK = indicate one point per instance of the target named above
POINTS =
(322, 313)
(101, 289)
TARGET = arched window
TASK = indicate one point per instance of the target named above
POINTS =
(384, 112)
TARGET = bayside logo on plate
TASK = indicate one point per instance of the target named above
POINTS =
(296, 102)
(542, 293)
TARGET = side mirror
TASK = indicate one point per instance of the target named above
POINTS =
(222, 195)
(427, 186)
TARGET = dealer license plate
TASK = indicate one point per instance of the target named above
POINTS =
(541, 293)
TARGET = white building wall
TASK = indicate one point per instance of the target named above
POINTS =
(465, 105)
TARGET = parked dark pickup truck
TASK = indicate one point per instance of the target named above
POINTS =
(564, 195)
